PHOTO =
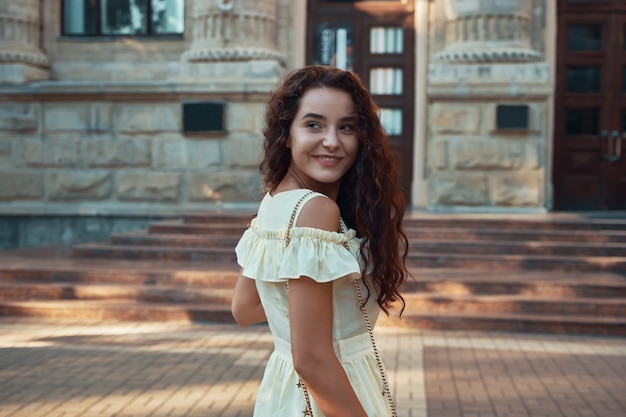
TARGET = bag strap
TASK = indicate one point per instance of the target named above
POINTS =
(294, 213)
(308, 412)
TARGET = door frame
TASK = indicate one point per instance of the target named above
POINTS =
(608, 101)
(419, 192)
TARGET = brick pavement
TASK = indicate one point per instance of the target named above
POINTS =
(78, 368)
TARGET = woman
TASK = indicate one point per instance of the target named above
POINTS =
(326, 250)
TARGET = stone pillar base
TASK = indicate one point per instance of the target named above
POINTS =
(18, 73)
(267, 69)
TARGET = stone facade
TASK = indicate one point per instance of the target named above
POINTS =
(93, 126)
(101, 131)
(483, 56)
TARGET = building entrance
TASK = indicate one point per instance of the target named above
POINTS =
(374, 39)
(590, 119)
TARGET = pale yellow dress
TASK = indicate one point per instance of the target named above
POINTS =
(321, 256)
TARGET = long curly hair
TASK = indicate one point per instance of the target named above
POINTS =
(369, 198)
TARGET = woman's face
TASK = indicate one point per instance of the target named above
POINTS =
(323, 138)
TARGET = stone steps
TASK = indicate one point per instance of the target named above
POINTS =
(141, 293)
(516, 304)
(472, 273)
(514, 323)
(439, 255)
(123, 310)
(576, 249)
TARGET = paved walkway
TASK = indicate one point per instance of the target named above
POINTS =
(67, 369)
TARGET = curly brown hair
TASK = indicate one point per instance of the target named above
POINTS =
(369, 198)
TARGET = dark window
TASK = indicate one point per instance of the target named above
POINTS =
(583, 79)
(203, 117)
(123, 17)
(581, 121)
(512, 117)
(584, 37)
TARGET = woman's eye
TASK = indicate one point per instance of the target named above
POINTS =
(313, 125)
(347, 128)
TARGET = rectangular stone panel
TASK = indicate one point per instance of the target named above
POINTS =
(19, 117)
(147, 117)
(245, 117)
(116, 153)
(223, 186)
(100, 117)
(454, 118)
(175, 151)
(516, 189)
(204, 153)
(78, 185)
(20, 185)
(5, 151)
(438, 155)
(244, 151)
(486, 155)
(66, 116)
(458, 189)
(48, 152)
(149, 186)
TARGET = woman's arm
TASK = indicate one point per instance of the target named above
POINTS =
(246, 304)
(311, 323)
(311, 326)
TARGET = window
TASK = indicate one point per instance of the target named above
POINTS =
(386, 80)
(204, 117)
(391, 119)
(123, 17)
(386, 40)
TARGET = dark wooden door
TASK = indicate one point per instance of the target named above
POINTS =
(374, 39)
(590, 119)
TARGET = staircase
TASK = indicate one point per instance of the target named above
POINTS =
(539, 273)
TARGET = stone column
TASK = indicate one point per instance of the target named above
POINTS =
(488, 31)
(233, 38)
(485, 59)
(21, 57)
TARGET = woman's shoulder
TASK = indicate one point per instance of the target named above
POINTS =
(319, 212)
(277, 209)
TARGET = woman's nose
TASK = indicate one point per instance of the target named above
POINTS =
(331, 140)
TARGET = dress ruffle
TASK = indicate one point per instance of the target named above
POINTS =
(314, 253)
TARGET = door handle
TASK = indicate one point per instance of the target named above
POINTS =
(617, 151)
(610, 137)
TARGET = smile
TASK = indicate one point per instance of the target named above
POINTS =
(328, 161)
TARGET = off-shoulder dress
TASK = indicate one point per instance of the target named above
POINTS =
(322, 256)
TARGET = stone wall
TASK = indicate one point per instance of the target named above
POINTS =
(472, 165)
(91, 135)
(123, 157)
(103, 133)
(485, 54)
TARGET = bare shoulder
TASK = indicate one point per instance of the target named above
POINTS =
(320, 213)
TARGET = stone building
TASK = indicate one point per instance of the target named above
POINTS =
(117, 112)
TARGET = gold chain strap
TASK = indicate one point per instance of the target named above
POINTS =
(308, 412)
(293, 217)
(379, 362)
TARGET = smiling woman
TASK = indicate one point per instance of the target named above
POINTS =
(326, 250)
(323, 140)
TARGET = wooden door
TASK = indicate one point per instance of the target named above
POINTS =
(590, 119)
(374, 39)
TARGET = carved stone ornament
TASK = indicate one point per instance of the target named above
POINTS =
(234, 30)
(488, 31)
(225, 5)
